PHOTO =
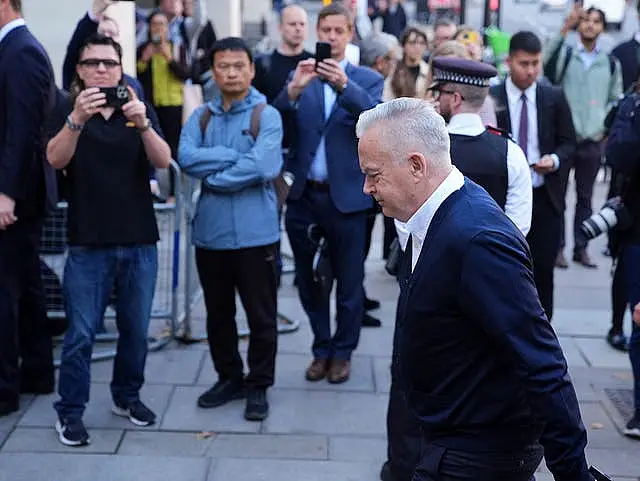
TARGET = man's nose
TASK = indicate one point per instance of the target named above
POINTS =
(367, 188)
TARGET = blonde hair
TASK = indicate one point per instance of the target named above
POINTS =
(450, 48)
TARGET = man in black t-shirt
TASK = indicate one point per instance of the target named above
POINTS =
(105, 150)
(272, 69)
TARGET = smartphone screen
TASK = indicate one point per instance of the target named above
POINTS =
(323, 52)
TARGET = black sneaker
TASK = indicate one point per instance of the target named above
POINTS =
(71, 432)
(257, 408)
(633, 428)
(221, 393)
(137, 412)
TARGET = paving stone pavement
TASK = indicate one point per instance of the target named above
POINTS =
(316, 431)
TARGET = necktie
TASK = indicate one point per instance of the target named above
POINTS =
(523, 132)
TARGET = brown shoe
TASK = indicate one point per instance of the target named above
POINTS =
(582, 258)
(561, 261)
(339, 372)
(317, 370)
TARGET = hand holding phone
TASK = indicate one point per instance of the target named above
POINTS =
(116, 97)
(323, 52)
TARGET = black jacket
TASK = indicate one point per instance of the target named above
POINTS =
(556, 134)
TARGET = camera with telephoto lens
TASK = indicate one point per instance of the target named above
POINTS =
(613, 214)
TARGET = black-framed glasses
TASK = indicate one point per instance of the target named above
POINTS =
(438, 92)
(95, 62)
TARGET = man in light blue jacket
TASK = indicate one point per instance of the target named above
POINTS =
(233, 145)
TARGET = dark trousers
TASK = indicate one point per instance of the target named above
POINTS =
(253, 272)
(371, 223)
(632, 254)
(442, 464)
(544, 241)
(390, 233)
(586, 164)
(619, 295)
(345, 234)
(170, 119)
(25, 338)
(404, 437)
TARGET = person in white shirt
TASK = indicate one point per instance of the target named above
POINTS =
(486, 156)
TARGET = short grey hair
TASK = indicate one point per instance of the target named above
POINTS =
(474, 97)
(376, 45)
(409, 124)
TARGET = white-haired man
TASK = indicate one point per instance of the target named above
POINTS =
(476, 364)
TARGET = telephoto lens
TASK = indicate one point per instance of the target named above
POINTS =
(602, 221)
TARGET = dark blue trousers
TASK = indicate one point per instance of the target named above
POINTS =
(632, 260)
(345, 234)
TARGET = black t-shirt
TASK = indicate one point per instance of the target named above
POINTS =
(107, 180)
(270, 82)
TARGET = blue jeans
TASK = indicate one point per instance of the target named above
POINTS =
(632, 264)
(89, 278)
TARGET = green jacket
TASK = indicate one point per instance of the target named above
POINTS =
(590, 92)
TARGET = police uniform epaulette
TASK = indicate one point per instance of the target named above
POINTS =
(499, 132)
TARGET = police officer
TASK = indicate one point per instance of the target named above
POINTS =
(484, 154)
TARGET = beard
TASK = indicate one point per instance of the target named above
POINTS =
(446, 114)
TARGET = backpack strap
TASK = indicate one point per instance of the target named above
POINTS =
(254, 126)
(567, 59)
(205, 117)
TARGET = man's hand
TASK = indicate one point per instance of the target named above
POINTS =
(304, 74)
(99, 6)
(573, 19)
(135, 110)
(544, 166)
(88, 103)
(636, 314)
(331, 71)
(7, 207)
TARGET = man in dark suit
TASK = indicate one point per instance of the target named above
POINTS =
(327, 100)
(27, 188)
(483, 373)
(539, 119)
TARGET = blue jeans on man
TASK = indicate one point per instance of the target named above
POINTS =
(89, 277)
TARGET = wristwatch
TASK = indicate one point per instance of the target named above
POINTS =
(145, 127)
(73, 126)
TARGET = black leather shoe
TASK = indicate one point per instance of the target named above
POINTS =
(7, 407)
(221, 393)
(371, 304)
(618, 341)
(385, 472)
(257, 407)
(370, 321)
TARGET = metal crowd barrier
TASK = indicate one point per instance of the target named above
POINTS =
(193, 289)
(165, 302)
(175, 296)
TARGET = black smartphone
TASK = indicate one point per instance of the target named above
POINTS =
(116, 96)
(323, 52)
(598, 475)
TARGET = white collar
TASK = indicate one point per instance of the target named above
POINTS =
(466, 124)
(514, 93)
(4, 31)
(418, 224)
(595, 51)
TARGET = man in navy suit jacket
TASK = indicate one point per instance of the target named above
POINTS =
(27, 188)
(481, 371)
(326, 102)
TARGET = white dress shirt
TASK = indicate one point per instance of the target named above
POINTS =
(418, 224)
(519, 202)
(514, 97)
(4, 31)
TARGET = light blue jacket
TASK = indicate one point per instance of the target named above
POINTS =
(237, 206)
